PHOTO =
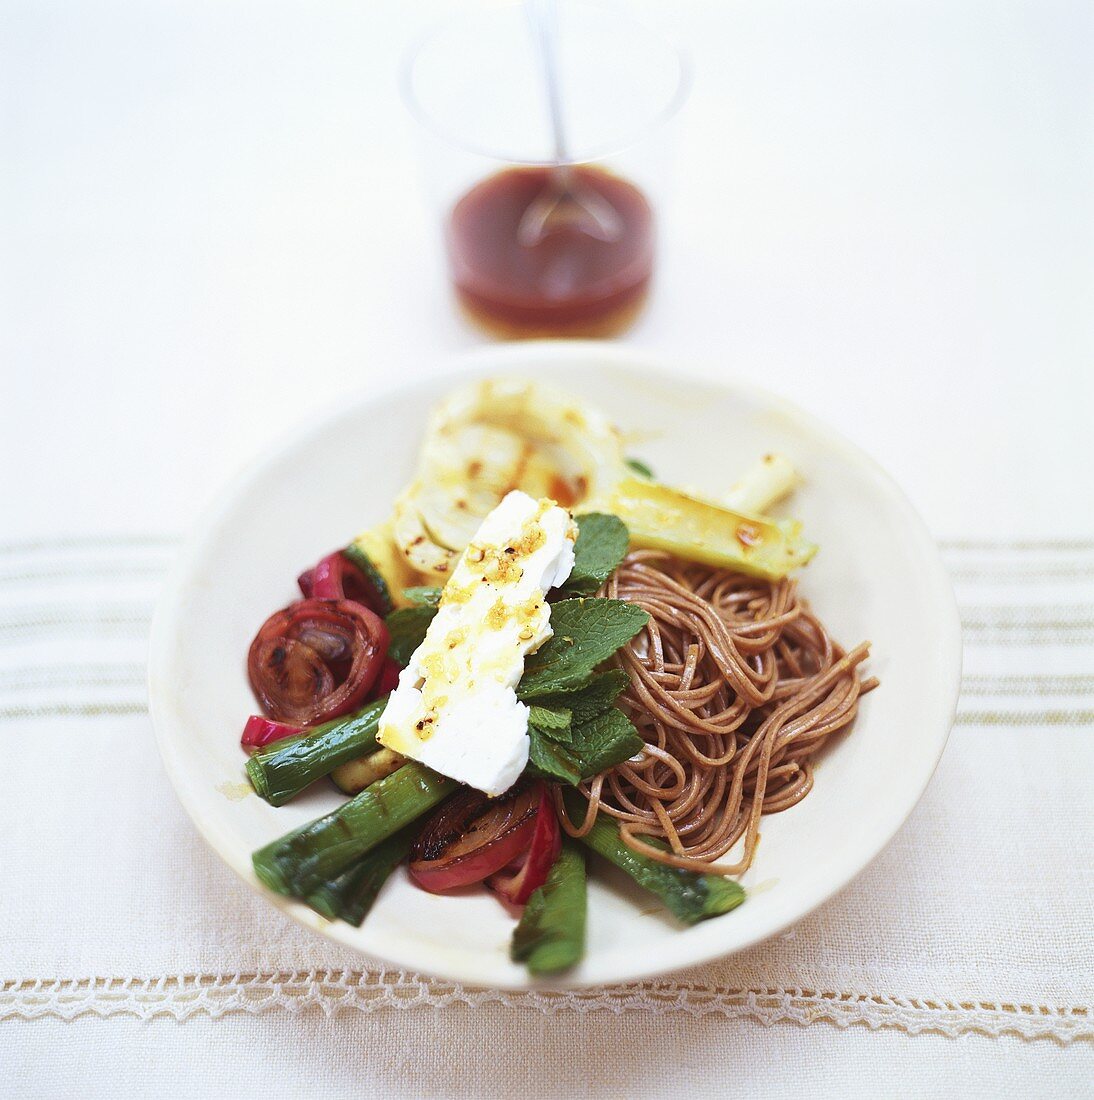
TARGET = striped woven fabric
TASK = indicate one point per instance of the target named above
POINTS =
(972, 921)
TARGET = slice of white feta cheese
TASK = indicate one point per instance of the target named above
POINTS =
(455, 708)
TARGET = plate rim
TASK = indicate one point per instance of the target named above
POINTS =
(467, 366)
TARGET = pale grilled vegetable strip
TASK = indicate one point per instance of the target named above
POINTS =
(762, 485)
(354, 777)
(662, 518)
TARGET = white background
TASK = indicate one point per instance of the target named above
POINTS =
(211, 224)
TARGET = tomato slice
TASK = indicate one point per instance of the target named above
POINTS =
(316, 659)
(528, 872)
(472, 837)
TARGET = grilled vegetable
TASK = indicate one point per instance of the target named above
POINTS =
(526, 874)
(354, 777)
(300, 862)
(261, 731)
(690, 897)
(377, 545)
(349, 897)
(666, 519)
(316, 660)
(551, 933)
(486, 439)
(763, 484)
(471, 837)
(347, 575)
(282, 770)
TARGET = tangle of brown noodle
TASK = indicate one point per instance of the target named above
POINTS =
(734, 685)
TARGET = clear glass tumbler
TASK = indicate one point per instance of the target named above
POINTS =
(546, 236)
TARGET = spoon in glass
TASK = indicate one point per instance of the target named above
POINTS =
(564, 202)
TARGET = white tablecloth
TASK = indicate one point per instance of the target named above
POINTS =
(210, 225)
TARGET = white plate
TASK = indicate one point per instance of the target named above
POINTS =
(878, 576)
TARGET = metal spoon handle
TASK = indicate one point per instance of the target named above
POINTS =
(544, 16)
(563, 203)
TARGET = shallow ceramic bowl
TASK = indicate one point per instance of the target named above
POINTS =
(877, 577)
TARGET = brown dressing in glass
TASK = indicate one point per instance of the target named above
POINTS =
(569, 282)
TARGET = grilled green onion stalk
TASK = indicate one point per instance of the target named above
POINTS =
(282, 770)
(551, 934)
(300, 862)
(350, 896)
(689, 896)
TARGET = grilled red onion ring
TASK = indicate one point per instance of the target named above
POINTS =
(472, 837)
(338, 577)
(316, 660)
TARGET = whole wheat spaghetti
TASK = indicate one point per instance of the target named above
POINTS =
(734, 686)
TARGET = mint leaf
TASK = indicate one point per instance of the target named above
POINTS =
(549, 733)
(587, 702)
(549, 760)
(586, 632)
(553, 723)
(425, 596)
(601, 545)
(593, 746)
(603, 742)
(553, 752)
(407, 627)
(640, 468)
